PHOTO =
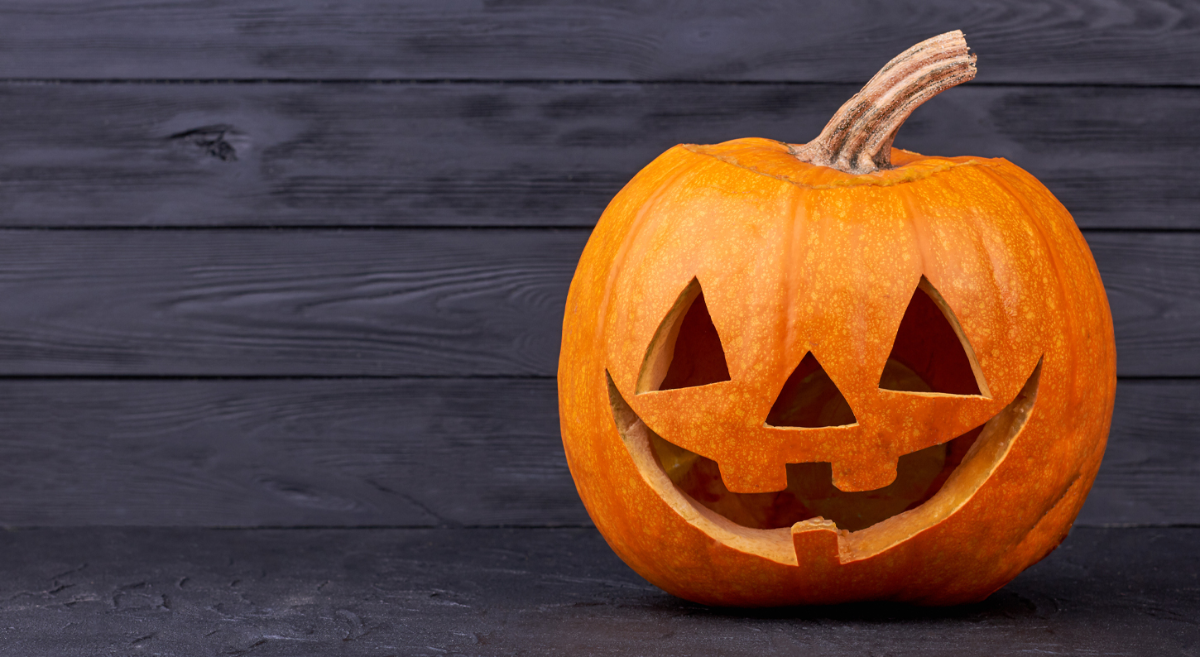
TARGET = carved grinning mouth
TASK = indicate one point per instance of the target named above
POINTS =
(930, 485)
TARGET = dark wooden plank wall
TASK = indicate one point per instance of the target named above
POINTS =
(526, 154)
(293, 264)
(1054, 41)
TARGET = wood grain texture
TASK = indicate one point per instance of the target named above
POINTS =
(1153, 286)
(108, 591)
(1093, 41)
(283, 453)
(403, 302)
(526, 154)
(282, 303)
(1151, 470)
(442, 452)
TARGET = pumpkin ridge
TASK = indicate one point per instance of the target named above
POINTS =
(1070, 319)
(1044, 240)
(635, 227)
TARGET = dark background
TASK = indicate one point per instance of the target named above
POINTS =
(293, 267)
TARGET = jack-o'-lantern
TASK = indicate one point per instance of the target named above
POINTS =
(836, 371)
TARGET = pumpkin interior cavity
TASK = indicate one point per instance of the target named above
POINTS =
(686, 349)
(930, 344)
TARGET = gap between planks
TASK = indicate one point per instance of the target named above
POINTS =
(554, 81)
(352, 228)
(376, 377)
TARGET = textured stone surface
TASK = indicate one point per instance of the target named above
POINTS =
(97, 591)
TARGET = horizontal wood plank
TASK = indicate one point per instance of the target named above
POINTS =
(1093, 41)
(283, 453)
(259, 302)
(526, 155)
(1151, 469)
(408, 453)
(1153, 286)
(403, 302)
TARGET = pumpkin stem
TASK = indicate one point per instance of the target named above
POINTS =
(858, 139)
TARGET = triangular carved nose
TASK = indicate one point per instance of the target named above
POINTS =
(809, 398)
(686, 350)
(930, 352)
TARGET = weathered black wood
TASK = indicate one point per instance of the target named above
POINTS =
(541, 592)
(443, 452)
(283, 453)
(1107, 41)
(403, 302)
(1151, 468)
(440, 302)
(526, 155)
(1153, 286)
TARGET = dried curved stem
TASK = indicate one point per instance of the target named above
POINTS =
(858, 139)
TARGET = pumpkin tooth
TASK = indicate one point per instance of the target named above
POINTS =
(864, 475)
(817, 542)
(754, 477)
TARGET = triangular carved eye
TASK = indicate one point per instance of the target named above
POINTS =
(810, 399)
(930, 353)
(686, 350)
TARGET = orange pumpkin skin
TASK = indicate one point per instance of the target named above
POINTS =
(796, 258)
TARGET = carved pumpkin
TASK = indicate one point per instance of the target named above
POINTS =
(838, 371)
